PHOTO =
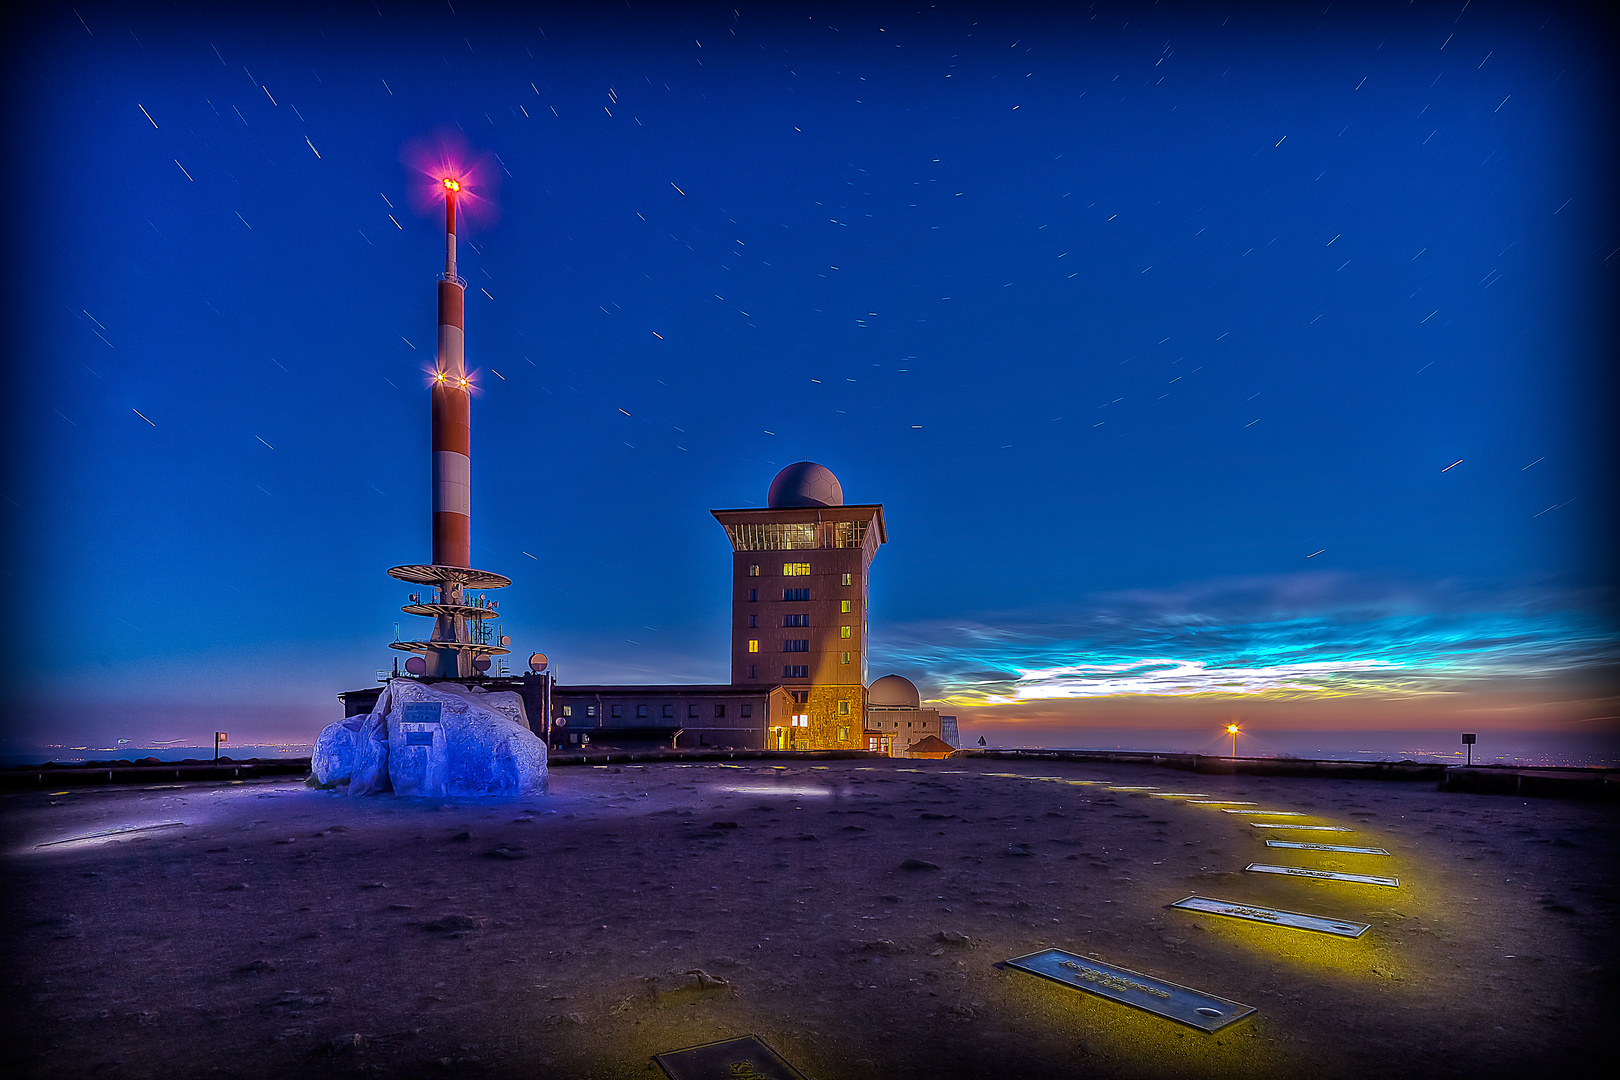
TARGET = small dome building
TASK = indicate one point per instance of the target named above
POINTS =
(898, 725)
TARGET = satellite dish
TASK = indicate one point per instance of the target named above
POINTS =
(562, 721)
(481, 663)
(506, 639)
(538, 662)
(416, 666)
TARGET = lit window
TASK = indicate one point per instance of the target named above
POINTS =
(590, 710)
(843, 734)
(796, 645)
(796, 569)
(747, 711)
(753, 571)
(795, 620)
(719, 712)
(843, 658)
(753, 646)
(843, 708)
(801, 720)
(568, 710)
(843, 631)
(843, 605)
(848, 579)
(792, 595)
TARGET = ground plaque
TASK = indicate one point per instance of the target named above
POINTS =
(1294, 920)
(1302, 846)
(1324, 875)
(1312, 828)
(1269, 813)
(745, 1058)
(1206, 1012)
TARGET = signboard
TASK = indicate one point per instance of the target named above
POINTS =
(1299, 828)
(419, 738)
(1293, 920)
(1206, 1012)
(746, 1058)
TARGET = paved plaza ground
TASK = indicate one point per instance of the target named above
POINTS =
(282, 931)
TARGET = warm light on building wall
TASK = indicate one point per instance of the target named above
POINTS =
(843, 631)
(753, 646)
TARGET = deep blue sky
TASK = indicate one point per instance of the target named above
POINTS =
(1153, 327)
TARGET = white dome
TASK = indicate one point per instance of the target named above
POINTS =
(804, 483)
(893, 692)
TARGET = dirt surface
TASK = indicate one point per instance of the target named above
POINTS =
(282, 931)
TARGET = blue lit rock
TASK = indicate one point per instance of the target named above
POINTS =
(479, 745)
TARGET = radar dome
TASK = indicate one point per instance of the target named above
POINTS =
(804, 483)
(893, 692)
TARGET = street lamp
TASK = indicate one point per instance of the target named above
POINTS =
(1232, 730)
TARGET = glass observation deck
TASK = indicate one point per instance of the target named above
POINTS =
(786, 536)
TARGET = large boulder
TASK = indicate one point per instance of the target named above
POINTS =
(434, 740)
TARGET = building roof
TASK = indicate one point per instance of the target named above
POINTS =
(650, 690)
(795, 515)
(931, 744)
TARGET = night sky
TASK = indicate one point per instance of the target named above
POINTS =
(1209, 362)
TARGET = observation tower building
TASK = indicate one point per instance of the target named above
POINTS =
(799, 605)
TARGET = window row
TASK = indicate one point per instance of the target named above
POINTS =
(693, 712)
(800, 644)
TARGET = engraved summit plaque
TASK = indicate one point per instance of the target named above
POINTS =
(1206, 1012)
(1288, 825)
(1294, 920)
(745, 1058)
(1302, 846)
(1324, 875)
(1268, 813)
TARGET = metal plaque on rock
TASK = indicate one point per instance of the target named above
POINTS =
(1324, 875)
(420, 712)
(746, 1058)
(1206, 1012)
(1294, 920)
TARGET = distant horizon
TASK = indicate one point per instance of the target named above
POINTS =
(1547, 749)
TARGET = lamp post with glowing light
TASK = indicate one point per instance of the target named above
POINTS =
(458, 645)
(1232, 730)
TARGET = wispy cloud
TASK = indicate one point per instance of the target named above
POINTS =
(1298, 637)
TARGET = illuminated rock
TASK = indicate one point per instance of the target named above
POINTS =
(435, 740)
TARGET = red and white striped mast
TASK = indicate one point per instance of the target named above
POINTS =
(452, 409)
(458, 642)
